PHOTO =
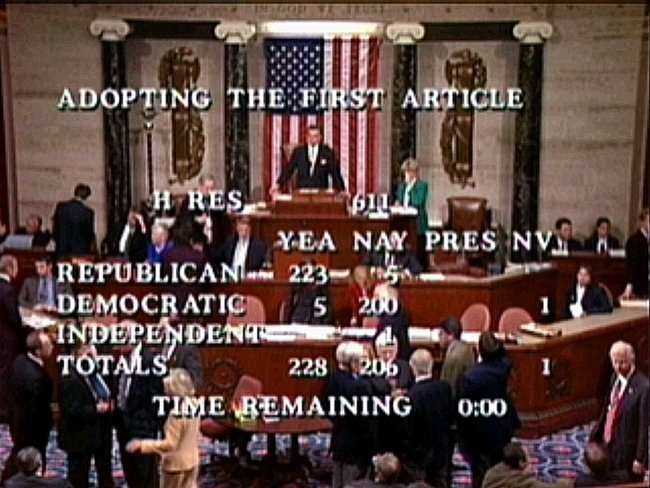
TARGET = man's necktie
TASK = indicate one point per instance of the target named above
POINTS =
(99, 388)
(123, 391)
(602, 248)
(612, 413)
(42, 291)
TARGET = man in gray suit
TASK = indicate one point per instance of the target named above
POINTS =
(41, 292)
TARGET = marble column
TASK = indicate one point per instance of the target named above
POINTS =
(237, 164)
(403, 122)
(112, 32)
(525, 201)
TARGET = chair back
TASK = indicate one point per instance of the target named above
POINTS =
(512, 318)
(248, 386)
(476, 318)
(255, 312)
(467, 213)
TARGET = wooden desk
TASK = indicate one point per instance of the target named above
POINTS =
(427, 303)
(570, 395)
(341, 228)
(607, 270)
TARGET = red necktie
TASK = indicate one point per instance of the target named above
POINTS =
(612, 413)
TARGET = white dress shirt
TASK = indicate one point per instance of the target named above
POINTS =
(239, 256)
(126, 233)
(576, 308)
(407, 193)
(312, 153)
(601, 247)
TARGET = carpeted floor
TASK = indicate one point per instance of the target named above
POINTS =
(557, 455)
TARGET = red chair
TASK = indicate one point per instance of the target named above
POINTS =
(216, 430)
(512, 318)
(476, 318)
(255, 312)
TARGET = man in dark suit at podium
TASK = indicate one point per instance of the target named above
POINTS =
(315, 163)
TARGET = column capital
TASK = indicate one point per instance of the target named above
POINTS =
(110, 29)
(235, 32)
(404, 33)
(532, 32)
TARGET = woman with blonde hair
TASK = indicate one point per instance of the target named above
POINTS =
(413, 192)
(179, 450)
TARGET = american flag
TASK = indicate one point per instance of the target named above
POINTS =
(346, 63)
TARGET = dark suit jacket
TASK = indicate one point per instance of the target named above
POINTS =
(81, 428)
(574, 244)
(302, 305)
(220, 221)
(12, 342)
(139, 419)
(326, 167)
(429, 424)
(630, 440)
(74, 228)
(29, 291)
(399, 325)
(21, 481)
(255, 256)
(352, 441)
(636, 253)
(403, 260)
(487, 435)
(611, 478)
(31, 419)
(184, 254)
(136, 249)
(39, 239)
(594, 301)
(591, 243)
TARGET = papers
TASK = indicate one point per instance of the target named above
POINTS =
(339, 274)
(576, 310)
(541, 331)
(428, 277)
(283, 197)
(617, 253)
(378, 216)
(36, 320)
(635, 303)
(401, 210)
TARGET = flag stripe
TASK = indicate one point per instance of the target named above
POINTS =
(344, 63)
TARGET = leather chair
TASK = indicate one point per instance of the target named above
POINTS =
(467, 213)
(512, 318)
(476, 318)
(255, 312)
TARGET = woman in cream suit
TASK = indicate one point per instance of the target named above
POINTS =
(179, 450)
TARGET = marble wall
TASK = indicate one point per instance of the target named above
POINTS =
(592, 132)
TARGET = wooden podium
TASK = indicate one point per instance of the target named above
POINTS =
(312, 202)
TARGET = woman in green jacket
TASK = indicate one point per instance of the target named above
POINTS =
(413, 192)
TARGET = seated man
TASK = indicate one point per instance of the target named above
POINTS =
(597, 461)
(29, 464)
(243, 250)
(563, 239)
(160, 243)
(585, 298)
(512, 472)
(636, 258)
(601, 241)
(33, 227)
(41, 292)
(394, 258)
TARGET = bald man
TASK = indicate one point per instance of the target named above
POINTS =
(429, 424)
(623, 423)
